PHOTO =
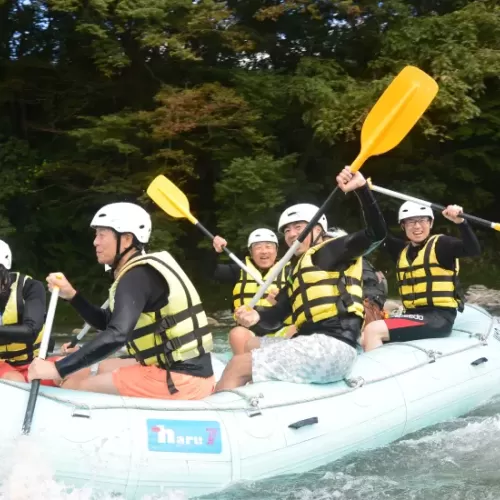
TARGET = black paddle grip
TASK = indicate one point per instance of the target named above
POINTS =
(74, 341)
(30, 408)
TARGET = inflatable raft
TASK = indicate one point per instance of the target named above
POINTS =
(134, 447)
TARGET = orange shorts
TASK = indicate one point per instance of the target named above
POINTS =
(151, 382)
(23, 370)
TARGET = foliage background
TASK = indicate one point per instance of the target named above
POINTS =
(248, 105)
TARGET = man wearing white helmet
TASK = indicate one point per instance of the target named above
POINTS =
(427, 269)
(154, 310)
(22, 308)
(262, 245)
(324, 295)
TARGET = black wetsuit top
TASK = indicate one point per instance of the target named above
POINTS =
(141, 289)
(33, 318)
(333, 256)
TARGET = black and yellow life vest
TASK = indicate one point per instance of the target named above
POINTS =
(177, 332)
(246, 287)
(316, 294)
(424, 282)
(17, 353)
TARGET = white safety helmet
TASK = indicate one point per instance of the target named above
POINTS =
(411, 209)
(124, 218)
(301, 212)
(336, 232)
(5, 255)
(262, 235)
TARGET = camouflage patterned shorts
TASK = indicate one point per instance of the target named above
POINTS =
(306, 359)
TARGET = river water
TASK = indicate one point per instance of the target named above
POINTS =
(452, 461)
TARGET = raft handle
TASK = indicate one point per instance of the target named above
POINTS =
(479, 361)
(80, 412)
(303, 423)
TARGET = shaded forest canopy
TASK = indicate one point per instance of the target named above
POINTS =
(246, 105)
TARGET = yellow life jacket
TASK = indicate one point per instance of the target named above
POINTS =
(316, 294)
(424, 282)
(246, 287)
(177, 332)
(17, 353)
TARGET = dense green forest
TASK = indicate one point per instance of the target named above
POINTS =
(247, 105)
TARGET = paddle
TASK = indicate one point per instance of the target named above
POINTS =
(389, 121)
(175, 203)
(434, 206)
(35, 384)
(76, 338)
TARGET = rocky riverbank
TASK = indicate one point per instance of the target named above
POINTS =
(483, 296)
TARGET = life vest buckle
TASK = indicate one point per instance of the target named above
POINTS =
(167, 323)
(172, 345)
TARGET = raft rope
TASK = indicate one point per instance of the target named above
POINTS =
(254, 407)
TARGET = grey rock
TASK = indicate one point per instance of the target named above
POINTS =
(483, 296)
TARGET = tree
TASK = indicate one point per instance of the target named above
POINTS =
(247, 105)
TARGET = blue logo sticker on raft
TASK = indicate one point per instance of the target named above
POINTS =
(184, 436)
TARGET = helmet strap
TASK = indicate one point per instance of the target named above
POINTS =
(119, 255)
(318, 238)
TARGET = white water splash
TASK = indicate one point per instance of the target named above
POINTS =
(31, 477)
(28, 476)
(472, 432)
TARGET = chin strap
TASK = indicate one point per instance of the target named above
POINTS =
(319, 237)
(119, 255)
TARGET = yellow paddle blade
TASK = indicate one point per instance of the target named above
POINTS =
(395, 113)
(496, 226)
(170, 198)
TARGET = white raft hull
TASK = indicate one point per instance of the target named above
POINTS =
(135, 447)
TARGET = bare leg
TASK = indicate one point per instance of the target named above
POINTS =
(237, 373)
(238, 337)
(111, 364)
(75, 380)
(14, 376)
(253, 343)
(374, 334)
(102, 383)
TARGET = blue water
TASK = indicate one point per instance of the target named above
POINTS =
(451, 461)
(455, 460)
